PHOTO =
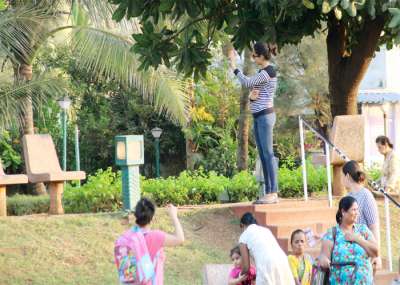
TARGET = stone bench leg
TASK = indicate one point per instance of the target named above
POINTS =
(56, 190)
(3, 201)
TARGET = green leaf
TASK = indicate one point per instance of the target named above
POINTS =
(135, 8)
(395, 21)
(119, 14)
(333, 3)
(371, 8)
(352, 10)
(326, 8)
(308, 4)
(338, 13)
(3, 5)
(345, 4)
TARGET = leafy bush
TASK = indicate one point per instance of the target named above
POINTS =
(291, 180)
(374, 172)
(19, 205)
(188, 188)
(243, 186)
(102, 192)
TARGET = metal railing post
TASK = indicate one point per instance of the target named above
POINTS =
(303, 159)
(328, 172)
(388, 234)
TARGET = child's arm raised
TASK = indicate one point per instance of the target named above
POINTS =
(178, 237)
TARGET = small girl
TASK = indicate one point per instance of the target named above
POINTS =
(235, 277)
(300, 263)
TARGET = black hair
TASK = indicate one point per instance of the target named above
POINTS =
(266, 50)
(298, 231)
(144, 212)
(353, 169)
(384, 140)
(344, 204)
(234, 250)
(248, 219)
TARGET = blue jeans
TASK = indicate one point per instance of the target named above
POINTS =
(263, 131)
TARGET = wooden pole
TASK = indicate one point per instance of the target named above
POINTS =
(3, 201)
(56, 190)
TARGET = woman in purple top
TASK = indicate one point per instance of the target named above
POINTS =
(263, 88)
(353, 179)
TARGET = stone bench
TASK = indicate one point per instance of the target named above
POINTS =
(5, 180)
(42, 165)
(216, 274)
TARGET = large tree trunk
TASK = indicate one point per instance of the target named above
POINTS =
(24, 72)
(346, 71)
(244, 120)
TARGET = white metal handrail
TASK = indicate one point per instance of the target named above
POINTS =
(342, 155)
(302, 123)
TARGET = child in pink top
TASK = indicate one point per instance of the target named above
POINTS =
(156, 240)
(235, 277)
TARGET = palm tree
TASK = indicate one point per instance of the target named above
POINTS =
(100, 46)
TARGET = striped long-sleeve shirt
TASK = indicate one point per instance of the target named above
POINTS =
(266, 82)
(366, 206)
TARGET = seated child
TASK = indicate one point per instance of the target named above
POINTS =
(235, 277)
(300, 263)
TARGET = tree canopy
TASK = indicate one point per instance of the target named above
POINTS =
(180, 32)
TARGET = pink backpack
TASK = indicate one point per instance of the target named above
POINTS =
(133, 260)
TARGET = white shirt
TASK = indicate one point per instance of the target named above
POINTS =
(271, 262)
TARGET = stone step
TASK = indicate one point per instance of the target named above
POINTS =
(277, 216)
(385, 277)
(286, 229)
(242, 208)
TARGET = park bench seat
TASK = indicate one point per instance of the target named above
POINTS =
(6, 179)
(42, 165)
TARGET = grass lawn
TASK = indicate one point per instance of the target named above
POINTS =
(78, 249)
(395, 233)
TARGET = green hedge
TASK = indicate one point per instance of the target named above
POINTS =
(19, 205)
(102, 191)
(291, 180)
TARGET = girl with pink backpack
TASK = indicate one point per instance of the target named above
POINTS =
(139, 252)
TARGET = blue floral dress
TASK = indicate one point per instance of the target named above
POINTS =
(345, 251)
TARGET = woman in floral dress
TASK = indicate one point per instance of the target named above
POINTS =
(348, 242)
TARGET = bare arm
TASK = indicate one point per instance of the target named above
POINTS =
(370, 246)
(178, 237)
(244, 252)
(324, 259)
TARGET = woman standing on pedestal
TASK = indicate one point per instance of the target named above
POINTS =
(262, 91)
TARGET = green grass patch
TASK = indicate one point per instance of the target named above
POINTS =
(78, 249)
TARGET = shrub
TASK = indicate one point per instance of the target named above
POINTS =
(188, 188)
(19, 205)
(374, 172)
(243, 187)
(291, 180)
(102, 192)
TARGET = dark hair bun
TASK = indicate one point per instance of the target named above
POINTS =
(144, 212)
(353, 169)
(384, 140)
(361, 176)
(267, 50)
